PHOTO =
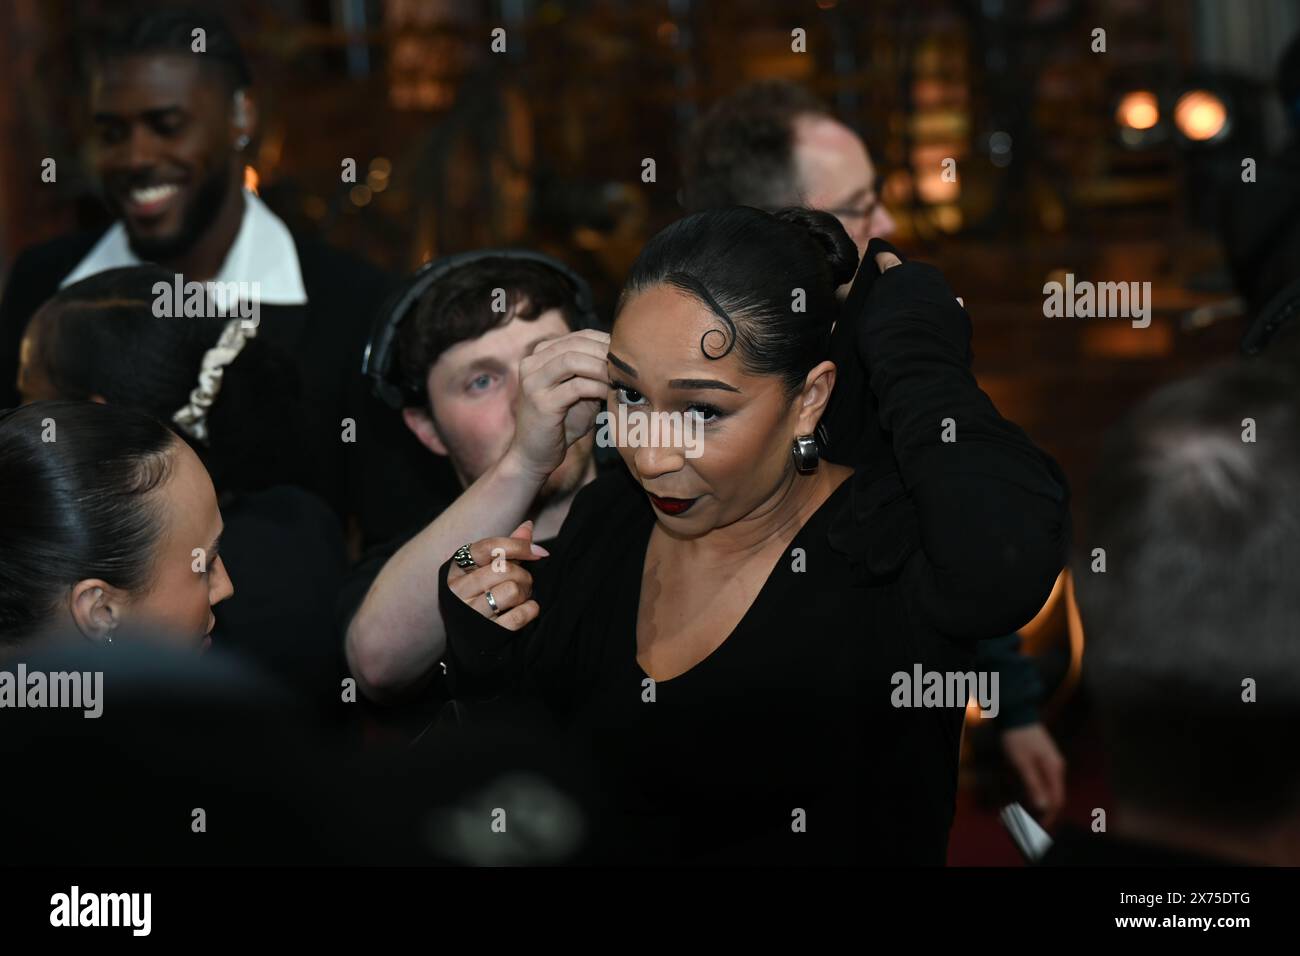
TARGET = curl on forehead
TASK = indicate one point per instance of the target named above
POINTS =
(770, 281)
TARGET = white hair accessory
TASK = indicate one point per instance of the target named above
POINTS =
(193, 418)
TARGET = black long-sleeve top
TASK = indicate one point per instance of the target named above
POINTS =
(785, 745)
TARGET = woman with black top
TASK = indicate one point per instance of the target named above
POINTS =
(727, 636)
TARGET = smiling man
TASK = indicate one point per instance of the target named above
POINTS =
(173, 115)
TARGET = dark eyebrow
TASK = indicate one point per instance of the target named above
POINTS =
(621, 364)
(701, 383)
(215, 547)
(484, 363)
(678, 382)
(152, 116)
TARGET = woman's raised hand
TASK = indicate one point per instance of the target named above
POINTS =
(886, 260)
(501, 576)
(562, 387)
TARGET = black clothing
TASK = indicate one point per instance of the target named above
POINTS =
(367, 567)
(1078, 847)
(1259, 223)
(928, 547)
(1019, 685)
(283, 549)
(416, 715)
(383, 478)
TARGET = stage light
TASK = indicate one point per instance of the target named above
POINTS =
(1138, 110)
(1202, 116)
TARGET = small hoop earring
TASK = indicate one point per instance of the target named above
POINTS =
(806, 454)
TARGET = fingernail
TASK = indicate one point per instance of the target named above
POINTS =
(540, 551)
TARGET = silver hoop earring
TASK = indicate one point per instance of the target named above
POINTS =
(806, 454)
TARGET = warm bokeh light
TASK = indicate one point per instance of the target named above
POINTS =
(250, 179)
(1200, 115)
(1138, 110)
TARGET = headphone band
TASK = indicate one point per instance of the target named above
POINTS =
(379, 364)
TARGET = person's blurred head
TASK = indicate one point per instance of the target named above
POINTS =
(102, 509)
(171, 112)
(709, 324)
(1193, 651)
(773, 144)
(460, 359)
(99, 339)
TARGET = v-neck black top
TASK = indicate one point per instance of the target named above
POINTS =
(784, 744)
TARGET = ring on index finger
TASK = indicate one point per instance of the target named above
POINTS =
(464, 560)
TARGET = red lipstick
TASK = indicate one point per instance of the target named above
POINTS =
(672, 506)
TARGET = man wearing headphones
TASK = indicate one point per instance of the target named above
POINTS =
(472, 354)
(173, 119)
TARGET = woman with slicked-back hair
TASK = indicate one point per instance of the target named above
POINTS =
(729, 632)
(100, 509)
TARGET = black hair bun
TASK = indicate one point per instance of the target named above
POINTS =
(828, 232)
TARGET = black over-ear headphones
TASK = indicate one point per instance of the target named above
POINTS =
(380, 362)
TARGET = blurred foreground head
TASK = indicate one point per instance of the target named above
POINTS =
(178, 760)
(1193, 626)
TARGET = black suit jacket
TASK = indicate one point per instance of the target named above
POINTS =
(383, 480)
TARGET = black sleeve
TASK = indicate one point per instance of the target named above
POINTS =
(1020, 689)
(986, 509)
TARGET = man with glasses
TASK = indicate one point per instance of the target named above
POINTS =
(774, 144)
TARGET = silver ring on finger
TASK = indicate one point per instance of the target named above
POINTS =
(492, 602)
(464, 560)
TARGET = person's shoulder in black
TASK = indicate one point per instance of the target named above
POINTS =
(392, 479)
(347, 288)
(357, 583)
(283, 549)
(33, 277)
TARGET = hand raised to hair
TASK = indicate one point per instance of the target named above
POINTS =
(563, 385)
